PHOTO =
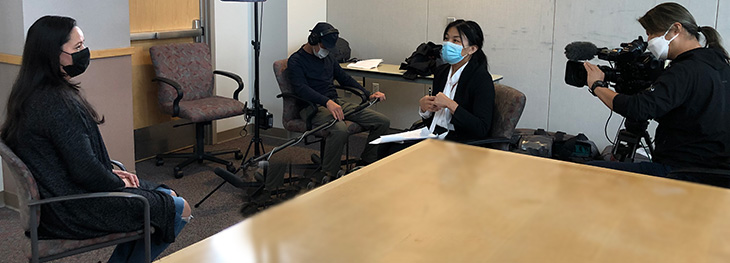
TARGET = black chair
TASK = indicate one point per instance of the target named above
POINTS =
(714, 177)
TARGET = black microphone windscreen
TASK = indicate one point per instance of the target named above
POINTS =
(229, 177)
(580, 50)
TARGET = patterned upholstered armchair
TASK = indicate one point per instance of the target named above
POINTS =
(30, 204)
(186, 79)
(508, 106)
(293, 104)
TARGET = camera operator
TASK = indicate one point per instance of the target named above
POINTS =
(690, 100)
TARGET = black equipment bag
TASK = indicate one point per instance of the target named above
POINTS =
(342, 51)
(556, 145)
(423, 61)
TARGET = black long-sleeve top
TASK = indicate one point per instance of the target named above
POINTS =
(691, 103)
(63, 148)
(475, 96)
(313, 78)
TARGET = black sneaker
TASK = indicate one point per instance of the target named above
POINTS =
(362, 163)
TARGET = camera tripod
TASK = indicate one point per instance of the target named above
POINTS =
(628, 140)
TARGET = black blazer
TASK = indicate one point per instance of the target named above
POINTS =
(475, 96)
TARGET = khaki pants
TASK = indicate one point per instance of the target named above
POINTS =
(371, 120)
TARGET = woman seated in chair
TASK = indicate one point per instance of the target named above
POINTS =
(54, 130)
(462, 106)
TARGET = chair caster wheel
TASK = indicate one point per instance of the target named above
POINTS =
(326, 179)
(340, 174)
(310, 186)
(315, 159)
(356, 168)
(159, 162)
(249, 209)
(239, 155)
(178, 173)
(231, 168)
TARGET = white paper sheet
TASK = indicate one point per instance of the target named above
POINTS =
(422, 133)
(366, 64)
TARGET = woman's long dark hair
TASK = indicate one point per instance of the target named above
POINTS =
(473, 33)
(40, 71)
(661, 17)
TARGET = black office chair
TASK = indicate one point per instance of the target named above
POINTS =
(714, 177)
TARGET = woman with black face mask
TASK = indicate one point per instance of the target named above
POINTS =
(54, 130)
(689, 100)
(462, 101)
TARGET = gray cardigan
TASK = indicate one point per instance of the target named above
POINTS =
(62, 147)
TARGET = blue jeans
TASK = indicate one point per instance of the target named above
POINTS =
(133, 251)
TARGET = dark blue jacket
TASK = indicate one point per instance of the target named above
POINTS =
(313, 78)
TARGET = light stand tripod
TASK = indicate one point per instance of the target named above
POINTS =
(629, 139)
(258, 112)
(257, 109)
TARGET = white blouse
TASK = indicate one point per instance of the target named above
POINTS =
(443, 116)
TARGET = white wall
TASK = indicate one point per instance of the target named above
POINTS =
(274, 45)
(86, 12)
(524, 41)
(12, 13)
(232, 51)
(284, 27)
(302, 15)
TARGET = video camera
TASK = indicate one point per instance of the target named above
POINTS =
(633, 68)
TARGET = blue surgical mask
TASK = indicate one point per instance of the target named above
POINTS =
(451, 53)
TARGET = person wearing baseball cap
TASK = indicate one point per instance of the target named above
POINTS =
(312, 71)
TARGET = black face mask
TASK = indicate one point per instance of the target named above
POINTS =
(80, 61)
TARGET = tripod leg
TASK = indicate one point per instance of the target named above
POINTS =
(209, 194)
(261, 143)
(248, 149)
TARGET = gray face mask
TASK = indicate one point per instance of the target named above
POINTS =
(322, 53)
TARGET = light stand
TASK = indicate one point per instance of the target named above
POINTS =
(257, 109)
(256, 140)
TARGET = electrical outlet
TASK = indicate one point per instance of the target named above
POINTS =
(450, 19)
(376, 87)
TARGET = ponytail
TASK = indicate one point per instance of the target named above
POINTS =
(713, 40)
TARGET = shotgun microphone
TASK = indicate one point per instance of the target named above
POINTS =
(581, 50)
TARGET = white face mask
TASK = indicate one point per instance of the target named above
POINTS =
(322, 53)
(659, 46)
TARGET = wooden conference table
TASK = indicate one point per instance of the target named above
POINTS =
(445, 202)
(392, 72)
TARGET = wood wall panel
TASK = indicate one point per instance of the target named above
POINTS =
(154, 16)
(162, 15)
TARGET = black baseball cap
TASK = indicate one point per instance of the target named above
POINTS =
(328, 34)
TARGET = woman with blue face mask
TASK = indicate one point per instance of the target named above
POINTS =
(460, 106)
(689, 100)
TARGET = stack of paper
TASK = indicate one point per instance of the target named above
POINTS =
(366, 64)
(422, 133)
